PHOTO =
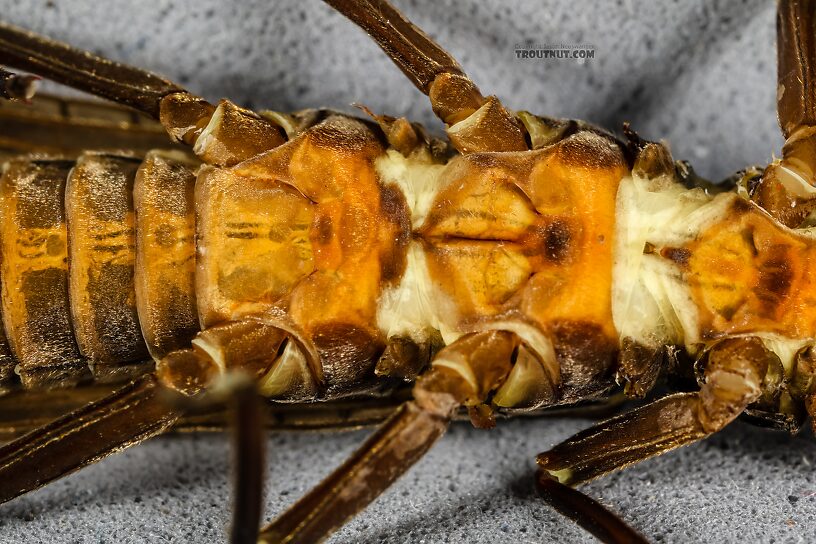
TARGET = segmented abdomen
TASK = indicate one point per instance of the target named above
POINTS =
(364, 258)
(73, 280)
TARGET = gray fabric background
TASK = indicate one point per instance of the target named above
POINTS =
(700, 74)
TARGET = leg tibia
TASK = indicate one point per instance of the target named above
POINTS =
(84, 71)
(796, 46)
(416, 54)
(734, 376)
(128, 416)
(464, 373)
(786, 188)
(248, 464)
(661, 426)
(399, 443)
(239, 135)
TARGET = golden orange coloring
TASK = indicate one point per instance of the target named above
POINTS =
(523, 237)
(528, 235)
(749, 274)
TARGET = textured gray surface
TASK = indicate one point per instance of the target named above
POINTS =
(700, 74)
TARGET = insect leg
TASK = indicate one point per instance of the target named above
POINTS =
(785, 189)
(145, 408)
(399, 443)
(586, 512)
(248, 447)
(734, 376)
(59, 62)
(231, 132)
(474, 123)
(242, 353)
(464, 373)
(238, 393)
(16, 87)
(151, 405)
(129, 416)
(796, 100)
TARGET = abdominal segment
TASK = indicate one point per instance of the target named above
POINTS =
(35, 299)
(68, 252)
(358, 263)
(329, 246)
(367, 260)
(748, 274)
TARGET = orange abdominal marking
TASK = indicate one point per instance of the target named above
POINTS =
(322, 235)
(525, 237)
(528, 235)
(749, 274)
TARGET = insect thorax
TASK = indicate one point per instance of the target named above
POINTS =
(358, 246)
